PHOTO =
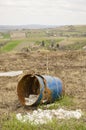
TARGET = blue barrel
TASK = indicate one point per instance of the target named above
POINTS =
(37, 89)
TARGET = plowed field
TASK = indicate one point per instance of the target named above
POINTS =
(70, 66)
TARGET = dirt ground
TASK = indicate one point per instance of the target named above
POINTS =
(70, 66)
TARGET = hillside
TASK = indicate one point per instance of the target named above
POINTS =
(62, 37)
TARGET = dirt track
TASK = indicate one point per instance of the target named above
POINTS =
(70, 66)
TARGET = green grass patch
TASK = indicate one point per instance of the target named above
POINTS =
(10, 45)
(60, 124)
(66, 101)
(6, 35)
(14, 124)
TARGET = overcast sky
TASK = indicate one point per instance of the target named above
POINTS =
(52, 12)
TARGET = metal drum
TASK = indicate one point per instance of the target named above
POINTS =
(36, 89)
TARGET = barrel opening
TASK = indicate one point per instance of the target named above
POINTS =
(28, 90)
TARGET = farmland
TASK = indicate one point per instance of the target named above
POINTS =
(63, 53)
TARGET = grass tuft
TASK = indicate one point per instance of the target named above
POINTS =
(60, 124)
(66, 101)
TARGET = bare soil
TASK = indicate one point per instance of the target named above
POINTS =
(70, 66)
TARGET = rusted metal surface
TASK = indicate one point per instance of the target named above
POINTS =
(36, 89)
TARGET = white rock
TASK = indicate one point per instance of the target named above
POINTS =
(19, 116)
(31, 99)
(43, 116)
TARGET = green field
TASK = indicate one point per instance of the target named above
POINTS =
(10, 45)
(67, 37)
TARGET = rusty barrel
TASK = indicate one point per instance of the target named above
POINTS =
(36, 89)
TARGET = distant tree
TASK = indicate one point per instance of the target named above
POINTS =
(57, 45)
(52, 43)
(43, 43)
